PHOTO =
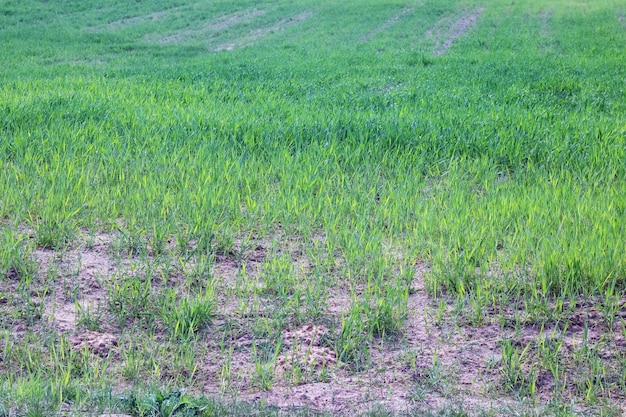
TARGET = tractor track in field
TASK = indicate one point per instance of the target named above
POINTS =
(546, 41)
(445, 34)
(388, 24)
(212, 27)
(127, 22)
(255, 35)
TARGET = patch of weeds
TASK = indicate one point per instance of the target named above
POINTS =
(381, 314)
(225, 377)
(159, 239)
(177, 403)
(418, 392)
(30, 310)
(383, 317)
(220, 243)
(549, 357)
(279, 277)
(270, 323)
(420, 60)
(621, 373)
(611, 306)
(138, 360)
(315, 300)
(199, 271)
(591, 377)
(53, 272)
(378, 411)
(450, 410)
(160, 404)
(561, 88)
(180, 360)
(64, 360)
(352, 345)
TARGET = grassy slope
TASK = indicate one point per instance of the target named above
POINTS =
(504, 157)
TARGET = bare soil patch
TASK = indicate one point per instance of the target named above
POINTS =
(387, 24)
(446, 32)
(98, 343)
(306, 357)
(262, 346)
(308, 374)
(79, 275)
(257, 34)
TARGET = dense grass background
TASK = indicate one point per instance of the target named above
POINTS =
(519, 128)
(499, 164)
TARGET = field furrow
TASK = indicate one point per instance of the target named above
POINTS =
(388, 23)
(447, 30)
(258, 34)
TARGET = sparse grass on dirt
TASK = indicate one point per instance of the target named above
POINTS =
(313, 208)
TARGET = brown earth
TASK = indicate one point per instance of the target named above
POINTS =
(439, 358)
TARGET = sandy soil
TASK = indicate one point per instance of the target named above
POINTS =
(439, 358)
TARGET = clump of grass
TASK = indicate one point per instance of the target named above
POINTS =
(54, 233)
(86, 317)
(193, 313)
(352, 344)
(131, 297)
(15, 260)
(381, 314)
(518, 373)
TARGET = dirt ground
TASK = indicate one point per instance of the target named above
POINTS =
(439, 358)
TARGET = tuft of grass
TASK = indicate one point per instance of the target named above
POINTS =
(193, 313)
(15, 260)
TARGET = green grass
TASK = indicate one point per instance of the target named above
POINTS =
(251, 165)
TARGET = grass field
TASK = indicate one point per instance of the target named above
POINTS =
(302, 207)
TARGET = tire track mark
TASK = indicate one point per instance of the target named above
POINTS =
(126, 22)
(223, 23)
(388, 24)
(255, 35)
(444, 38)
